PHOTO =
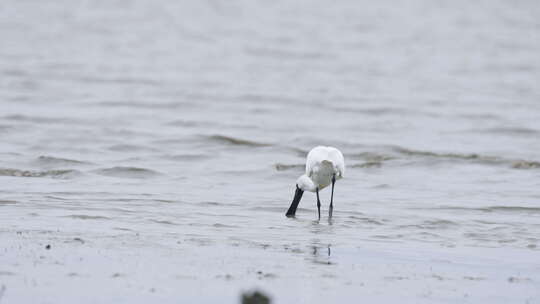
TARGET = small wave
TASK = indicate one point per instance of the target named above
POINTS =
(56, 161)
(508, 130)
(219, 225)
(122, 229)
(8, 202)
(438, 223)
(128, 147)
(283, 54)
(127, 172)
(145, 104)
(120, 80)
(87, 217)
(211, 203)
(48, 173)
(369, 164)
(516, 164)
(434, 225)
(365, 219)
(165, 222)
(523, 164)
(284, 167)
(510, 209)
(183, 123)
(39, 119)
(388, 237)
(186, 157)
(479, 116)
(270, 98)
(270, 209)
(519, 209)
(14, 72)
(236, 172)
(411, 152)
(380, 111)
(5, 128)
(236, 141)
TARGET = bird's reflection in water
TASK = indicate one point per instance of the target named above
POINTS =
(321, 254)
(319, 248)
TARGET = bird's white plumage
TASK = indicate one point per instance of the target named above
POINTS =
(324, 165)
(321, 165)
(320, 154)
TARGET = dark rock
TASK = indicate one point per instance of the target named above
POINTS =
(255, 297)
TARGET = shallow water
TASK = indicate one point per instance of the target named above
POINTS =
(155, 145)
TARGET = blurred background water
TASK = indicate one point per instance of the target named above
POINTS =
(184, 124)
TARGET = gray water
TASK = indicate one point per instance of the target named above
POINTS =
(154, 145)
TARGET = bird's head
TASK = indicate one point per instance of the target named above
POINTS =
(303, 183)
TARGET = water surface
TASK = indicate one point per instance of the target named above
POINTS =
(155, 145)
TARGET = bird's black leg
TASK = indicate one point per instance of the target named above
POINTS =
(332, 197)
(318, 203)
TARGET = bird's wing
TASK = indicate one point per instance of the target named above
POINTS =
(335, 156)
(320, 153)
(315, 157)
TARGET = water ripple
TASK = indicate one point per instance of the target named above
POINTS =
(223, 139)
(127, 172)
(57, 161)
(68, 173)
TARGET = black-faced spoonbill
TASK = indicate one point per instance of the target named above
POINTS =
(324, 165)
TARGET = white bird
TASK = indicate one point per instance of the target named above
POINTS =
(324, 165)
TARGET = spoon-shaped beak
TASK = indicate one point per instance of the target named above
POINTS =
(296, 200)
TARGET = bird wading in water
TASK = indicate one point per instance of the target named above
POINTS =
(324, 166)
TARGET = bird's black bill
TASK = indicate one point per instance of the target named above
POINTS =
(296, 200)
